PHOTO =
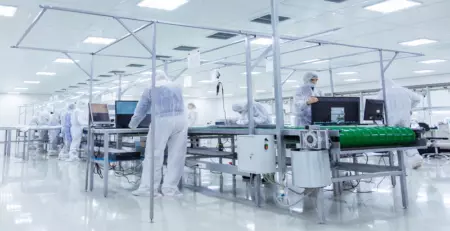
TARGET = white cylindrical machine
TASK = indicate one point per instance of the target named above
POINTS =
(311, 168)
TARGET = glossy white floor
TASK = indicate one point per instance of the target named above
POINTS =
(48, 195)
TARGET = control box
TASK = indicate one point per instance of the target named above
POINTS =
(256, 154)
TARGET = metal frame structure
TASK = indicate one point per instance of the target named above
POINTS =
(249, 64)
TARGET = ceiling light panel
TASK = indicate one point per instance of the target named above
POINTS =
(418, 42)
(424, 71)
(391, 6)
(162, 4)
(222, 36)
(46, 73)
(433, 61)
(347, 73)
(7, 11)
(31, 82)
(99, 40)
(63, 60)
(352, 80)
(267, 19)
(21, 88)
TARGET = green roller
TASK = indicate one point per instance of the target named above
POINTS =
(351, 137)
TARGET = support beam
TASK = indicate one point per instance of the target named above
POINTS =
(135, 36)
(78, 65)
(261, 58)
(331, 82)
(248, 70)
(124, 37)
(332, 58)
(281, 157)
(288, 77)
(383, 87)
(390, 62)
(27, 31)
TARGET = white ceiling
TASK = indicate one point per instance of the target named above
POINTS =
(66, 31)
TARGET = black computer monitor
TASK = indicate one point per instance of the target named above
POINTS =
(124, 112)
(336, 111)
(374, 109)
(99, 113)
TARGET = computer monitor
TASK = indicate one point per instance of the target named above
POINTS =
(374, 109)
(336, 111)
(99, 113)
(124, 113)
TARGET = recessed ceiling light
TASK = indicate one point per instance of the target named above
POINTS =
(390, 6)
(20, 88)
(144, 80)
(99, 87)
(260, 91)
(417, 42)
(63, 60)
(123, 81)
(321, 61)
(253, 73)
(347, 73)
(243, 87)
(31, 82)
(228, 94)
(114, 87)
(46, 73)
(7, 11)
(311, 61)
(162, 4)
(99, 40)
(352, 80)
(128, 95)
(146, 73)
(262, 41)
(433, 61)
(423, 71)
(291, 81)
(14, 92)
(206, 81)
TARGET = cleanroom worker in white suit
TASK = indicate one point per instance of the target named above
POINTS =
(399, 104)
(65, 130)
(53, 134)
(171, 130)
(192, 114)
(305, 96)
(78, 120)
(260, 113)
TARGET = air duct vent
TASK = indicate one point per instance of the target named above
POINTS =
(185, 48)
(135, 65)
(267, 19)
(163, 57)
(221, 35)
(335, 1)
(117, 72)
(105, 76)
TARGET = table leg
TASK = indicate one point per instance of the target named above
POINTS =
(221, 176)
(106, 164)
(9, 142)
(233, 149)
(391, 163)
(403, 183)
(320, 202)
(257, 179)
(5, 147)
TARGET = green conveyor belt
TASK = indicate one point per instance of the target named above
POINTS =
(357, 136)
(360, 136)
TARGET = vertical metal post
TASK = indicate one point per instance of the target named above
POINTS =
(90, 144)
(119, 89)
(152, 128)
(331, 82)
(233, 150)
(403, 183)
(391, 163)
(429, 105)
(106, 137)
(248, 69)
(383, 88)
(281, 157)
